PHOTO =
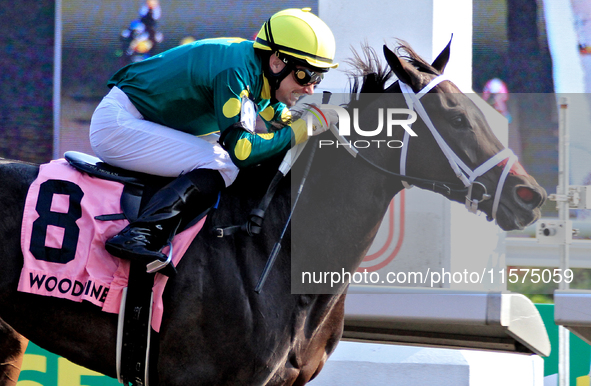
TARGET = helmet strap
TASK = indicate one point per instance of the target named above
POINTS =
(275, 78)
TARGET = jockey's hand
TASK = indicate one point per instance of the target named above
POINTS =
(321, 120)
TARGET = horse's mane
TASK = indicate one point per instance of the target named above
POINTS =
(370, 75)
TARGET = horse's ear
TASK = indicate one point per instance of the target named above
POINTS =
(441, 61)
(401, 68)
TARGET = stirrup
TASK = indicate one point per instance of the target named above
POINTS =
(157, 265)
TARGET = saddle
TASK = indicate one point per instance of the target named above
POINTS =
(133, 330)
(138, 187)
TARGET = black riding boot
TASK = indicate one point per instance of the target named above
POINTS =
(182, 199)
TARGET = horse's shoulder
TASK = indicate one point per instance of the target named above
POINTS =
(251, 183)
(248, 192)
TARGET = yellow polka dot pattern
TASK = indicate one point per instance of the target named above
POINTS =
(266, 136)
(286, 115)
(268, 113)
(232, 106)
(243, 149)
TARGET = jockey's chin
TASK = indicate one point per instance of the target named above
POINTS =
(290, 91)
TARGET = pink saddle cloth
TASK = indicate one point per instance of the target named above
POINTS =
(63, 242)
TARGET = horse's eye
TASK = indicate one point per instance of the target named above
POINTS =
(459, 121)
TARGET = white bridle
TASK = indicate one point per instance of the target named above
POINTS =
(461, 170)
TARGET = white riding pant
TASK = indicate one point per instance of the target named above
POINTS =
(120, 136)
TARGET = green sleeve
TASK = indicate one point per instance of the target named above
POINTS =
(245, 148)
(248, 149)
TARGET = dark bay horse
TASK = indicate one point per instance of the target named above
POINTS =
(216, 329)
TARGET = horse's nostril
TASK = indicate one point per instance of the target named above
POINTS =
(526, 194)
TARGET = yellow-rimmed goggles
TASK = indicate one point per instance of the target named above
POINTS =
(305, 77)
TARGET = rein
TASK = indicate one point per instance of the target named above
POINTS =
(442, 187)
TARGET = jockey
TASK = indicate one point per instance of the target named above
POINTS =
(190, 113)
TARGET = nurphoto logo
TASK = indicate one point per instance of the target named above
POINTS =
(391, 116)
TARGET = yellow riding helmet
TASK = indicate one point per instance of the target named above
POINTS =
(299, 34)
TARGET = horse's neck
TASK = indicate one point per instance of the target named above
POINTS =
(336, 217)
(344, 202)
